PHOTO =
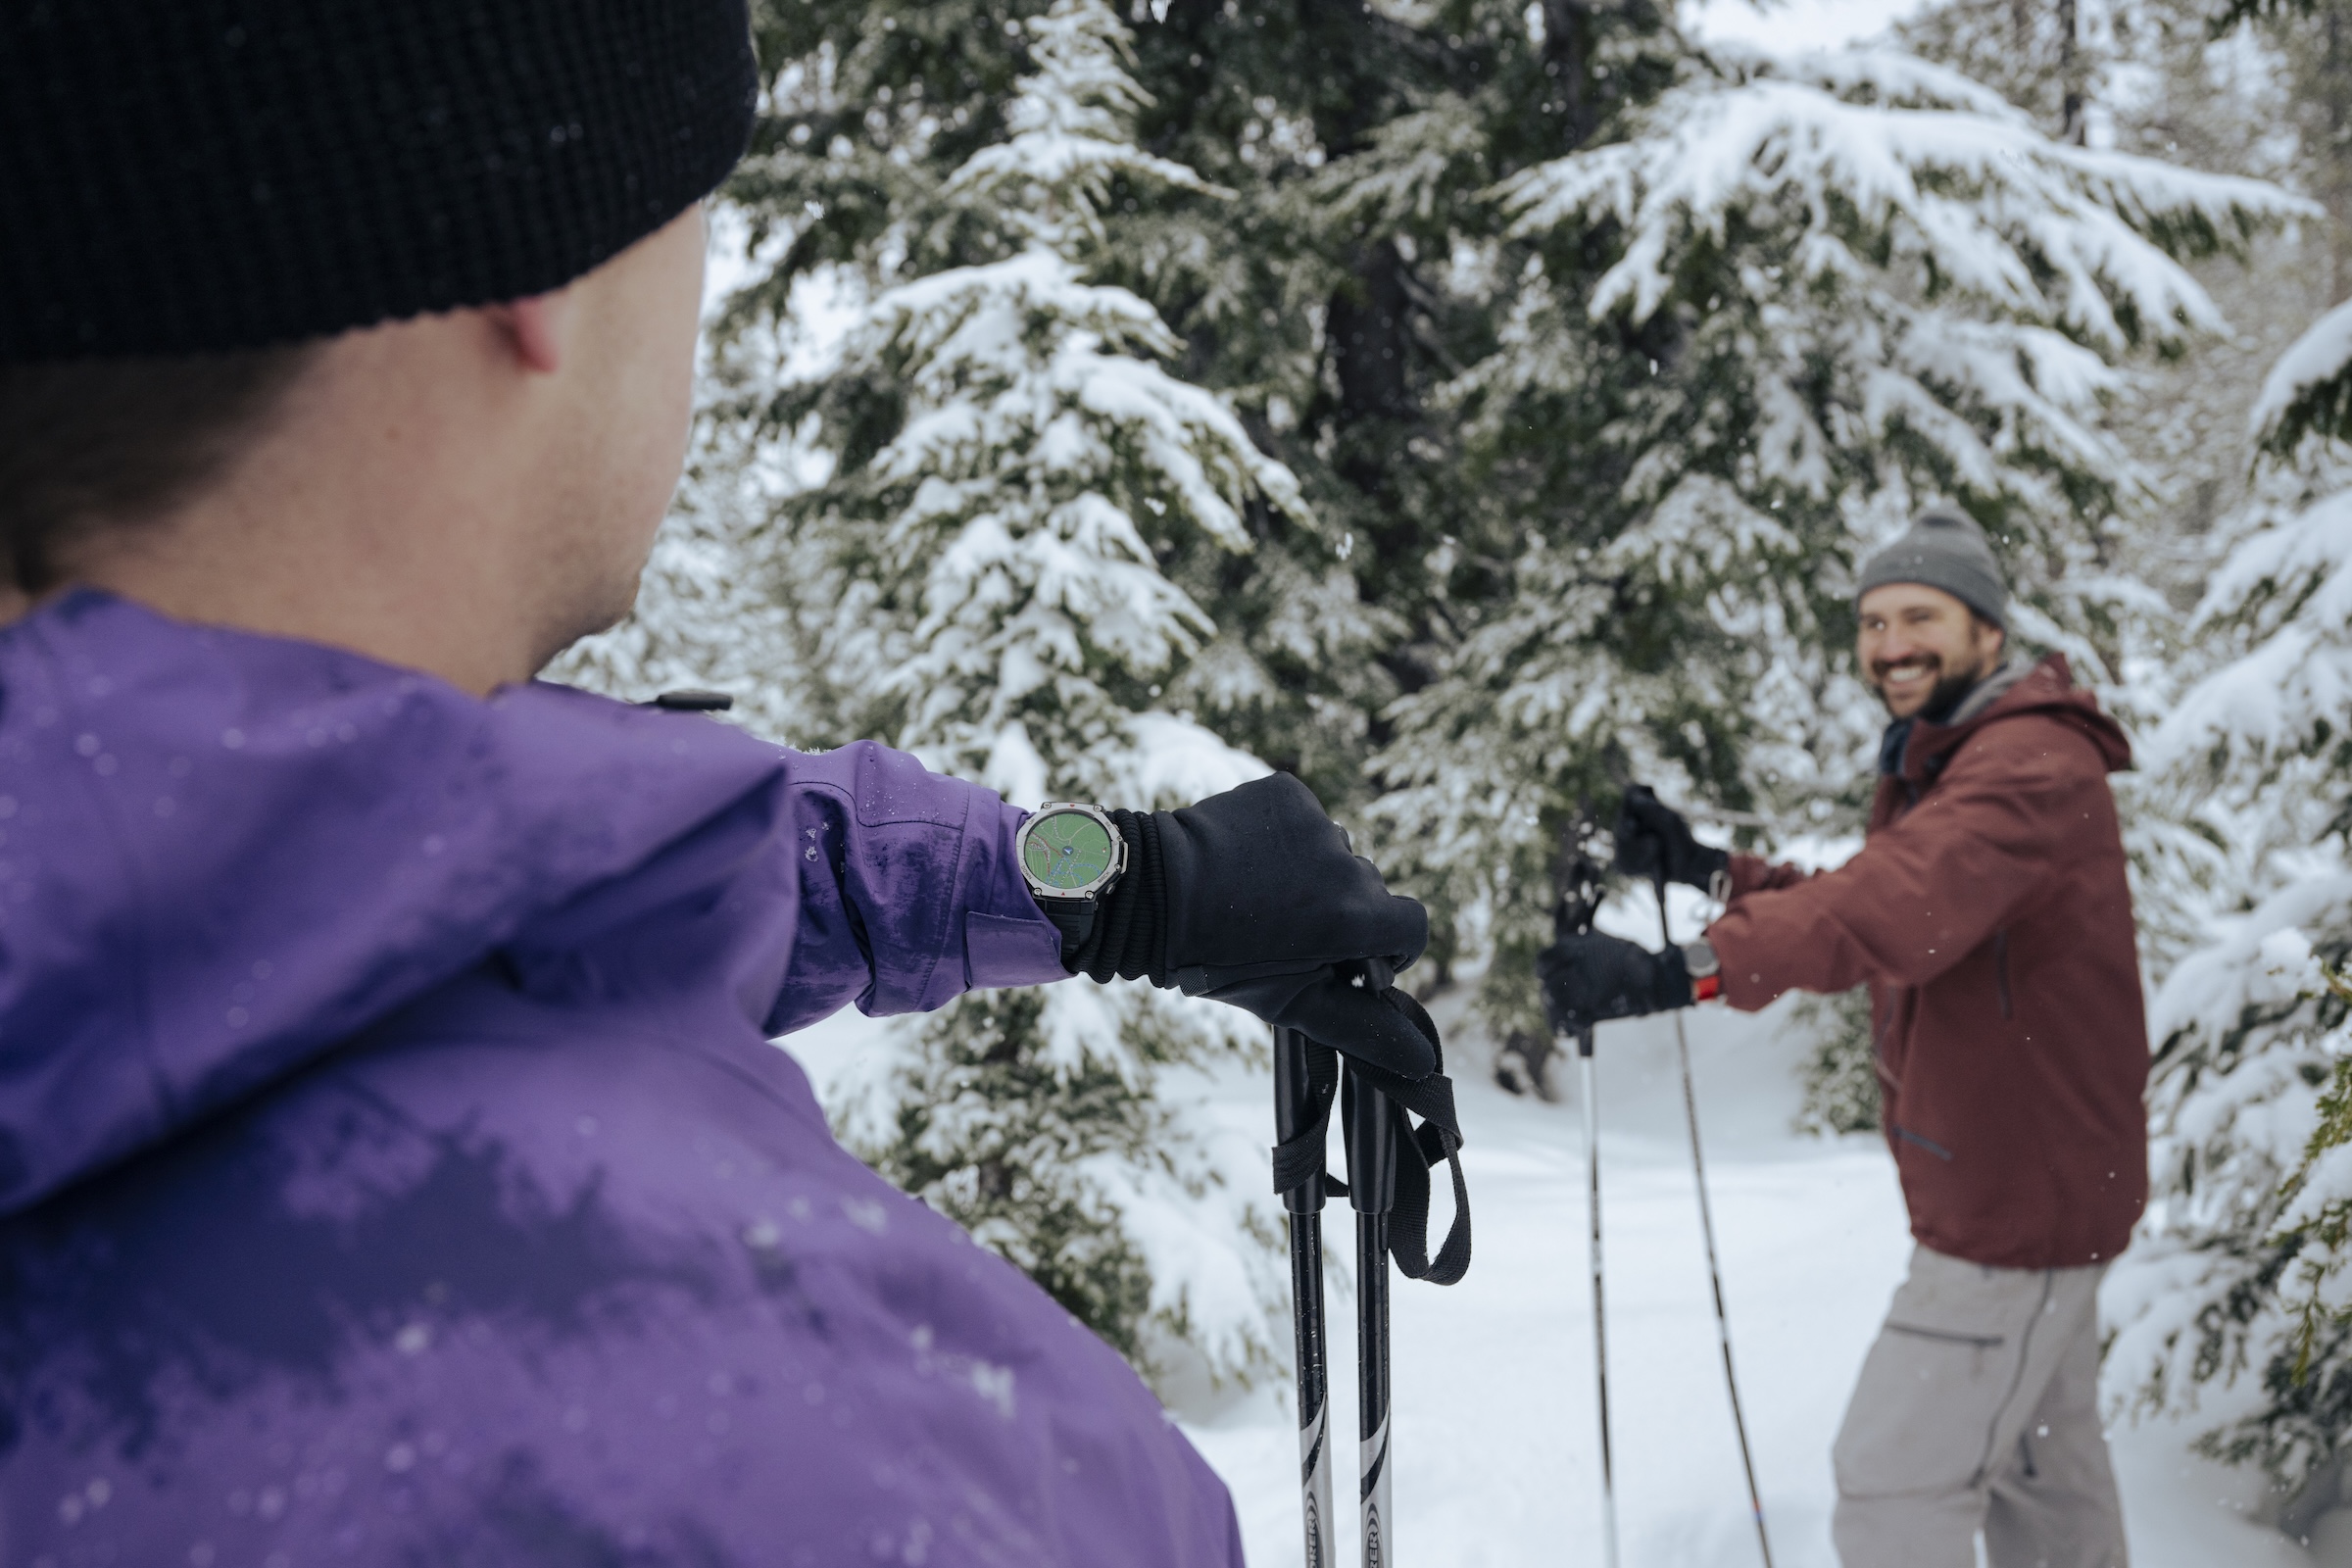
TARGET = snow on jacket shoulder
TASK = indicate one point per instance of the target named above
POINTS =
(1990, 914)
(394, 1167)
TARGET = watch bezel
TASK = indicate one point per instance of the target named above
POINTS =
(1092, 890)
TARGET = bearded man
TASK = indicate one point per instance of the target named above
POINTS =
(1988, 913)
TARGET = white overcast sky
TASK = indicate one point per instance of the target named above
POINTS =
(1794, 24)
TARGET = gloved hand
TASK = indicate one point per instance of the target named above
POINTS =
(1654, 839)
(1590, 978)
(1254, 898)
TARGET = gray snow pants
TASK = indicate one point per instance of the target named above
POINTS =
(1978, 1409)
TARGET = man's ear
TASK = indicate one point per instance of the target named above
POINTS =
(538, 329)
(2000, 635)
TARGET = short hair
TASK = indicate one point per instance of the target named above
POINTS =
(89, 446)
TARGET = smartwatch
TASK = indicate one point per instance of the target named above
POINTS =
(1070, 855)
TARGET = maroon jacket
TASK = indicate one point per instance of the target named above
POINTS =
(1988, 913)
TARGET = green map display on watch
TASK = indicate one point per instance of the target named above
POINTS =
(1070, 852)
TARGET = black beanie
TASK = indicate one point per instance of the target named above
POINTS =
(182, 176)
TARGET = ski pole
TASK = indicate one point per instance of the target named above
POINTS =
(1601, 1331)
(1370, 1127)
(1578, 884)
(1295, 1111)
(1706, 1226)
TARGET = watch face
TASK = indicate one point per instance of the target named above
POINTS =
(1066, 850)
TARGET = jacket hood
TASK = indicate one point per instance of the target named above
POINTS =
(222, 854)
(2046, 689)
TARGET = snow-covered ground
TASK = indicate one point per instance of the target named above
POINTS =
(1495, 1439)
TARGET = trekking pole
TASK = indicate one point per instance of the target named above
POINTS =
(1577, 885)
(1296, 1110)
(1370, 1128)
(1601, 1330)
(1706, 1226)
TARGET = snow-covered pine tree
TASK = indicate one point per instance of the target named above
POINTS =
(2158, 83)
(2244, 1267)
(1827, 290)
(980, 583)
(1350, 278)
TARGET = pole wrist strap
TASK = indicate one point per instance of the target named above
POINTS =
(1439, 1136)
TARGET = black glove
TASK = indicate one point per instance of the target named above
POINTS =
(1590, 978)
(1254, 897)
(1653, 840)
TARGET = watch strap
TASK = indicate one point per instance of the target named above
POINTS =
(1074, 918)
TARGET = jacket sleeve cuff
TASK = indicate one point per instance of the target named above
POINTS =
(1752, 873)
(1742, 978)
(1008, 941)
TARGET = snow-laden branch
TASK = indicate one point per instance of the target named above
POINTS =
(1069, 122)
(1039, 466)
(2247, 1040)
(1961, 199)
(2308, 391)
(1889, 79)
(2292, 586)
(1702, 530)
(1022, 356)
(1395, 182)
(2259, 963)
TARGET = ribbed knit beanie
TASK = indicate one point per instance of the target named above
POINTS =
(1948, 550)
(184, 176)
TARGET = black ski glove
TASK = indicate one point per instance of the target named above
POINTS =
(1590, 978)
(1254, 898)
(1653, 840)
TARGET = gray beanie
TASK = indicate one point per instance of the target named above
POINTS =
(1943, 550)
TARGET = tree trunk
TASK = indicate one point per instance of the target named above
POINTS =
(2336, 178)
(1567, 61)
(1369, 329)
(2070, 76)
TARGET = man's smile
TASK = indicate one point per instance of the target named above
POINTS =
(1907, 676)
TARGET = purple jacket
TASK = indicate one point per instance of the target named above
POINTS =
(394, 1168)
